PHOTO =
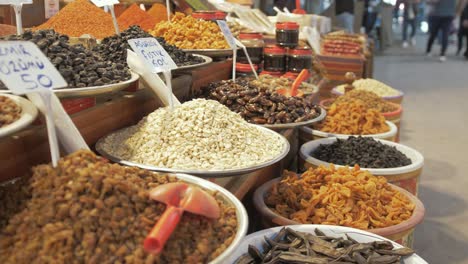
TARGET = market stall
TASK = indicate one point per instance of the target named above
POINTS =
(171, 138)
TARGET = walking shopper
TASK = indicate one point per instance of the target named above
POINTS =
(443, 12)
(344, 10)
(463, 31)
(410, 14)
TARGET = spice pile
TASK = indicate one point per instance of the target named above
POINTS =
(79, 66)
(159, 12)
(344, 196)
(133, 15)
(369, 99)
(90, 211)
(290, 246)
(372, 85)
(81, 17)
(10, 111)
(353, 119)
(115, 48)
(363, 151)
(200, 135)
(187, 32)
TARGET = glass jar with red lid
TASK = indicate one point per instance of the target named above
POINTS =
(220, 15)
(274, 58)
(244, 69)
(206, 15)
(254, 43)
(299, 58)
(287, 34)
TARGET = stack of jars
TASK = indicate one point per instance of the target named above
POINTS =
(286, 58)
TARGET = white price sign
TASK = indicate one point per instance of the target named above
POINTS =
(101, 3)
(227, 33)
(24, 68)
(153, 54)
(15, 2)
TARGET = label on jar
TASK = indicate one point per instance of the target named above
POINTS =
(101, 3)
(25, 69)
(227, 33)
(153, 54)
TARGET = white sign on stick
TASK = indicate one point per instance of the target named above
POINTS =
(25, 69)
(153, 54)
(227, 34)
(15, 2)
(101, 3)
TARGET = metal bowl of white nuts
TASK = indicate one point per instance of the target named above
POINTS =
(200, 137)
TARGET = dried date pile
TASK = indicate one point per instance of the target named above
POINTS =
(364, 151)
(114, 48)
(9, 111)
(290, 246)
(90, 211)
(79, 66)
(260, 105)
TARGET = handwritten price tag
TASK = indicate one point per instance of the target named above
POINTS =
(227, 33)
(153, 54)
(101, 3)
(24, 68)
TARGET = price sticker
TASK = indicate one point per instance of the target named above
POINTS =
(25, 69)
(227, 34)
(101, 3)
(153, 54)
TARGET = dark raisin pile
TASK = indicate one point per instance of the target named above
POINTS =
(79, 66)
(114, 48)
(364, 151)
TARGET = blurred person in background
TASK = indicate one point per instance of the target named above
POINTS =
(440, 19)
(410, 14)
(344, 10)
(463, 30)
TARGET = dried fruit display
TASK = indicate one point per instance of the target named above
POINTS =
(90, 211)
(9, 111)
(363, 151)
(353, 119)
(291, 246)
(258, 103)
(339, 196)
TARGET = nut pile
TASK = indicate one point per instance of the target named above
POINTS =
(114, 48)
(344, 196)
(90, 211)
(353, 119)
(261, 105)
(79, 66)
(10, 111)
(370, 99)
(363, 151)
(372, 85)
(199, 135)
(187, 32)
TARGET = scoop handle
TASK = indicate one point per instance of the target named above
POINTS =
(157, 238)
(300, 78)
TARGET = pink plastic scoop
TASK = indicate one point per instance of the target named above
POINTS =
(178, 197)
